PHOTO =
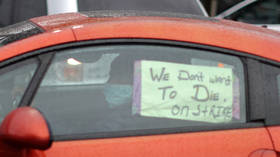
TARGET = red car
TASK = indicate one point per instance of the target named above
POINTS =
(138, 84)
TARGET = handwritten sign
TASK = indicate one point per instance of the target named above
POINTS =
(181, 91)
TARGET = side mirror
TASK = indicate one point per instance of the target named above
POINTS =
(25, 127)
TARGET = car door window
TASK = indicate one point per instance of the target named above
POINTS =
(271, 75)
(260, 12)
(14, 80)
(138, 87)
(278, 85)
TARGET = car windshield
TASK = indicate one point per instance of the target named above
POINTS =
(17, 32)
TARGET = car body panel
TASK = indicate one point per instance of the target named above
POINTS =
(190, 30)
(60, 21)
(229, 35)
(10, 151)
(217, 143)
(274, 133)
(37, 42)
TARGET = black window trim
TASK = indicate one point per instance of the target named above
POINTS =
(46, 59)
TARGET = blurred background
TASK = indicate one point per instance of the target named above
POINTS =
(214, 7)
(13, 11)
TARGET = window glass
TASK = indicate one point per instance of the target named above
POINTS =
(13, 82)
(260, 12)
(133, 87)
(278, 84)
(271, 83)
(17, 32)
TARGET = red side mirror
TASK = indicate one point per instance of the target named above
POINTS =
(25, 127)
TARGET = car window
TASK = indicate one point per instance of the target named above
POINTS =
(260, 12)
(13, 82)
(138, 87)
(278, 85)
(271, 75)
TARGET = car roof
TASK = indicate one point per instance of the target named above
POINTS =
(72, 27)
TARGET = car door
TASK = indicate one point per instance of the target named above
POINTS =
(150, 98)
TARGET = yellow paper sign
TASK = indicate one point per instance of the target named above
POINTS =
(181, 91)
